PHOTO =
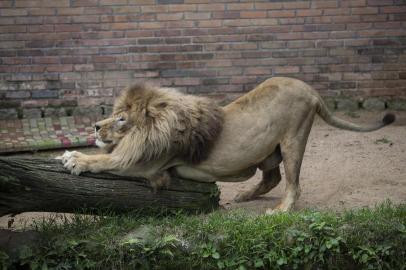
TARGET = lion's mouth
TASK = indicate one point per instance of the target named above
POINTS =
(102, 143)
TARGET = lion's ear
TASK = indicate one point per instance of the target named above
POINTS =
(162, 105)
(155, 109)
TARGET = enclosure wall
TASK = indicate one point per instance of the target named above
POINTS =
(60, 54)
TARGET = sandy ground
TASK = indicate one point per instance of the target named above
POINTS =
(340, 170)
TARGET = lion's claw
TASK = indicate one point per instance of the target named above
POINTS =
(71, 160)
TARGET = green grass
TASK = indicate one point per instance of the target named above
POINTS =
(383, 141)
(360, 239)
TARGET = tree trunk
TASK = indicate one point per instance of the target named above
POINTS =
(40, 184)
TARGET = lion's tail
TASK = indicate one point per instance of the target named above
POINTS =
(332, 120)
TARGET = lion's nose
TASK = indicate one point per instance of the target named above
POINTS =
(96, 127)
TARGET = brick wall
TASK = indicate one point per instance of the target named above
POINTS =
(60, 54)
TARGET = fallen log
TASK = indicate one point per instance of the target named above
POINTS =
(40, 184)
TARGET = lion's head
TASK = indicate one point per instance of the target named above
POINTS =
(149, 121)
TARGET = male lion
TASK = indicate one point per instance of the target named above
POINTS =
(265, 126)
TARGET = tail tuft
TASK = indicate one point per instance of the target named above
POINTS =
(389, 119)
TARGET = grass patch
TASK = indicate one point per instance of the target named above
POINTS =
(360, 239)
(383, 141)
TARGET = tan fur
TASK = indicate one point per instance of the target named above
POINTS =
(267, 125)
(157, 122)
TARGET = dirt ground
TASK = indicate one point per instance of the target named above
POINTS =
(340, 170)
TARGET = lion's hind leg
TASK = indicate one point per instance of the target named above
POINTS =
(292, 148)
(270, 179)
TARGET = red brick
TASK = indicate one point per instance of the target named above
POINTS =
(253, 14)
(86, 19)
(13, 29)
(346, 19)
(301, 44)
(124, 26)
(225, 15)
(211, 7)
(353, 3)
(337, 11)
(356, 42)
(141, 2)
(341, 51)
(46, 60)
(324, 4)
(73, 59)
(281, 13)
(70, 11)
(179, 24)
(381, 33)
(240, 6)
(42, 11)
(373, 18)
(288, 21)
(359, 26)
(393, 9)
(59, 68)
(67, 28)
(387, 25)
(268, 6)
(219, 63)
(289, 36)
(186, 81)
(13, 12)
(126, 10)
(364, 10)
(342, 34)
(197, 15)
(265, 21)
(150, 25)
(55, 3)
(244, 46)
(84, 3)
(154, 8)
(112, 2)
(16, 61)
(308, 12)
(258, 71)
(57, 19)
(169, 16)
(285, 70)
(380, 2)
(210, 23)
(273, 45)
(182, 8)
(296, 5)
(7, 20)
(5, 4)
(98, 10)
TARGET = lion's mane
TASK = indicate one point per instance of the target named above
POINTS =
(166, 122)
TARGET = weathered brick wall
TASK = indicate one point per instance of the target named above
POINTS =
(60, 54)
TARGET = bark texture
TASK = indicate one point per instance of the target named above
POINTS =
(40, 184)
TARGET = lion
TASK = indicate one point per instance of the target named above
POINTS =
(151, 123)
(262, 128)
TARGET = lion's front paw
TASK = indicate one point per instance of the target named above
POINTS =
(74, 161)
(65, 157)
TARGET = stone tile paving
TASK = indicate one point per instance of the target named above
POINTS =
(46, 133)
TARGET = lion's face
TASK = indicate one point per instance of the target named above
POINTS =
(110, 131)
(149, 122)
